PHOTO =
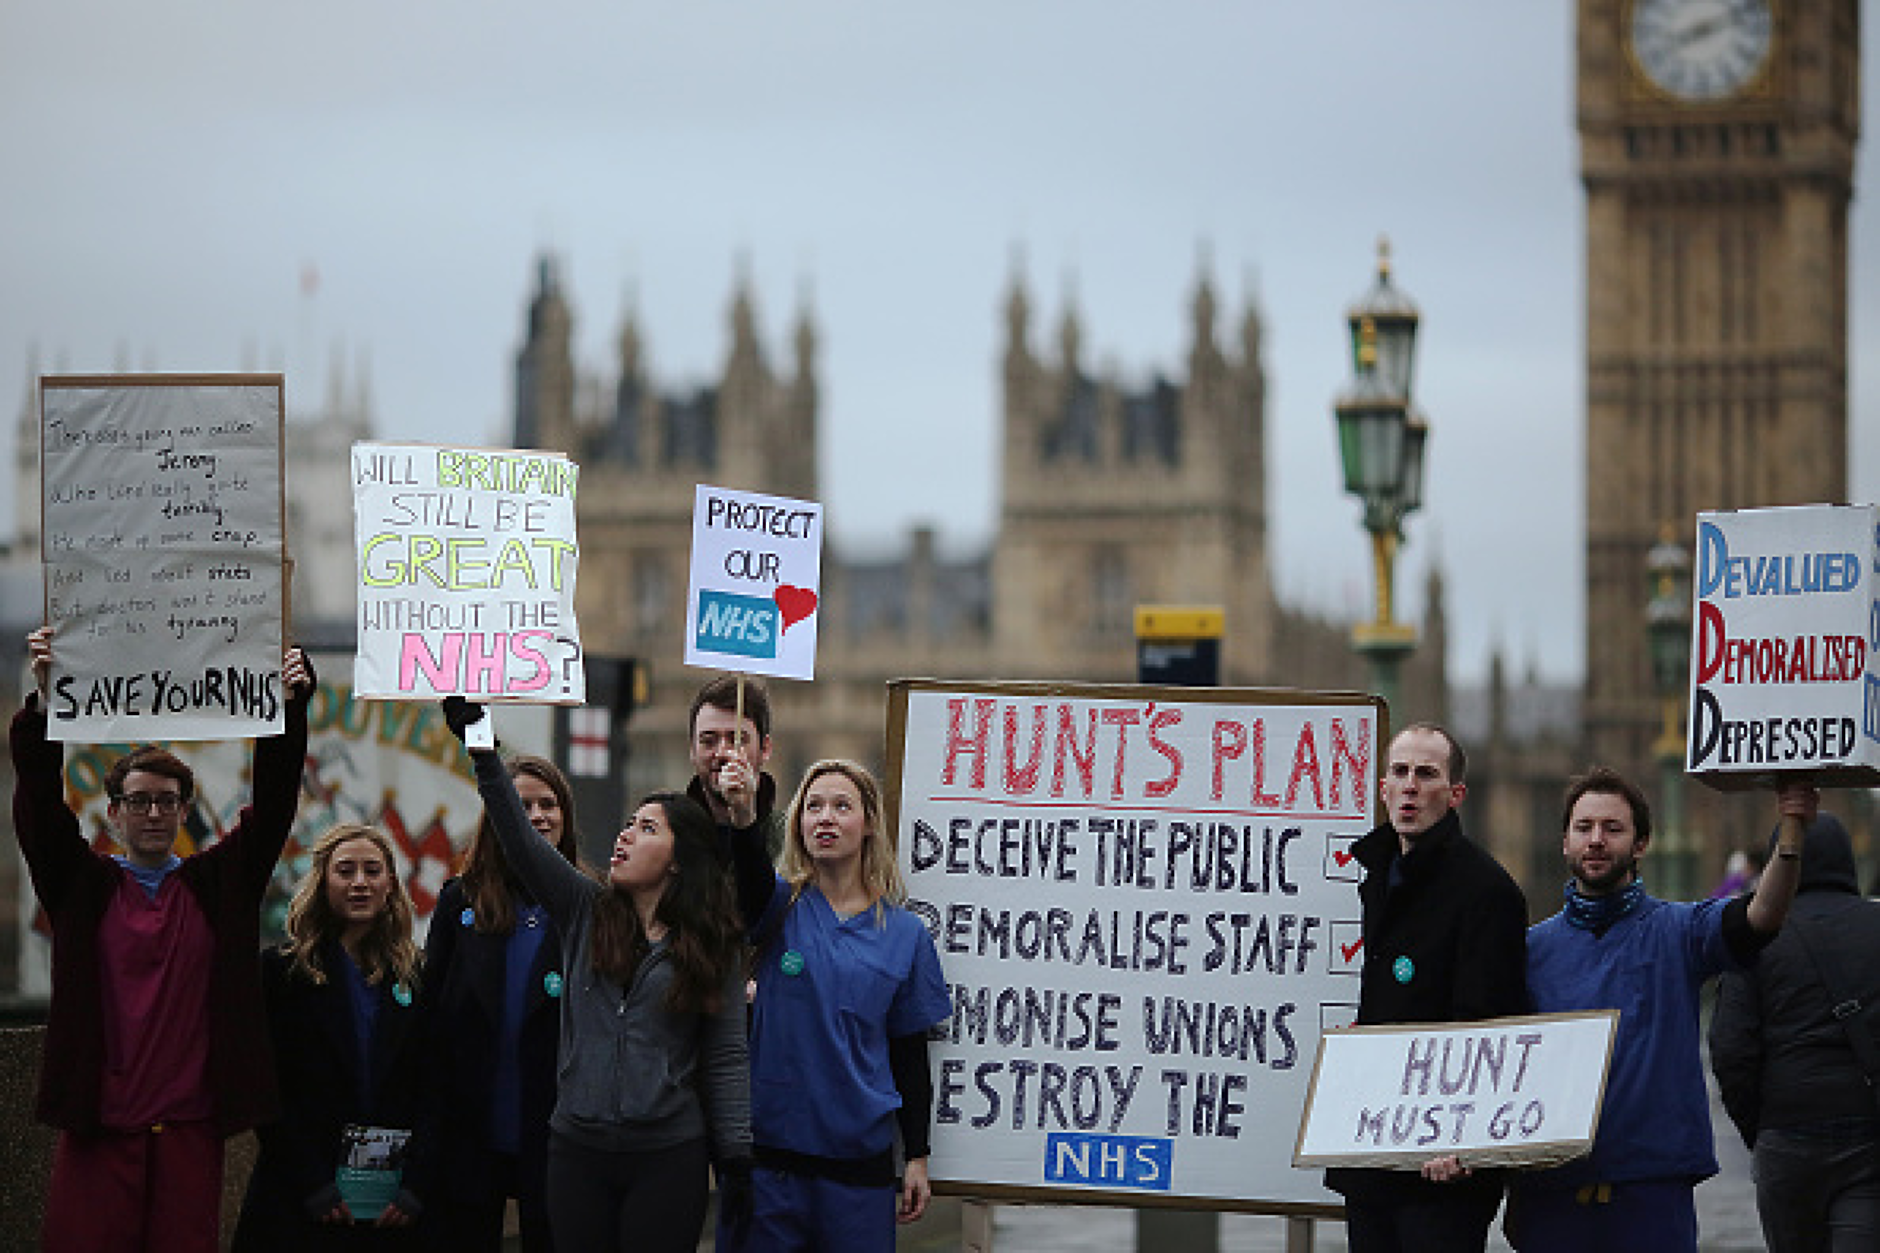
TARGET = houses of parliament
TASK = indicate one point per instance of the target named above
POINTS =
(1717, 174)
(1110, 496)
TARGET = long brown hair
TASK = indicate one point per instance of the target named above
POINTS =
(702, 932)
(387, 948)
(488, 883)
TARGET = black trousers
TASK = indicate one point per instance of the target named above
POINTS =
(1444, 1225)
(455, 1226)
(647, 1202)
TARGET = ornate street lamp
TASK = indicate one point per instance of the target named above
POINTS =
(1381, 443)
(1668, 643)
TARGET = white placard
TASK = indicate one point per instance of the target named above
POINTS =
(1784, 676)
(1146, 906)
(1507, 1091)
(756, 574)
(164, 555)
(467, 561)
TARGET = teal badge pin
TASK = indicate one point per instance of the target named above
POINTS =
(1404, 969)
(551, 983)
(468, 917)
(402, 995)
(791, 963)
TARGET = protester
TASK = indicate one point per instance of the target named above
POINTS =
(719, 733)
(1614, 946)
(653, 1064)
(848, 985)
(156, 1048)
(1795, 1043)
(1445, 931)
(341, 1001)
(494, 979)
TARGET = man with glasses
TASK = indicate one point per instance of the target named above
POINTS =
(156, 1047)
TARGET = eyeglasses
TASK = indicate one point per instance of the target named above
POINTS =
(169, 804)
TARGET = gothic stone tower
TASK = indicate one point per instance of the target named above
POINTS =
(1717, 150)
(1112, 497)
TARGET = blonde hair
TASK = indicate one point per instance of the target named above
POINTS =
(881, 877)
(387, 948)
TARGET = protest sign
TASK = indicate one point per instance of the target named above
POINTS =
(1786, 632)
(1145, 902)
(164, 551)
(1504, 1092)
(467, 561)
(756, 567)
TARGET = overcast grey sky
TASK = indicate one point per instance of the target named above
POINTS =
(173, 169)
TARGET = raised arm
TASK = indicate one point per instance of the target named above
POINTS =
(560, 887)
(1797, 803)
(279, 763)
(48, 831)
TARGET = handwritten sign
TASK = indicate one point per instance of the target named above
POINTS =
(467, 562)
(1783, 651)
(1146, 905)
(756, 566)
(1506, 1092)
(164, 555)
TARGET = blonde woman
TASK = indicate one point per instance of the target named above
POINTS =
(848, 984)
(341, 995)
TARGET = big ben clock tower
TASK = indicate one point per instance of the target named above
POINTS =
(1717, 149)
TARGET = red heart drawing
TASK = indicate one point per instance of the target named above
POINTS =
(797, 603)
(1343, 857)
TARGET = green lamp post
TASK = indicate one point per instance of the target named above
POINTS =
(1381, 444)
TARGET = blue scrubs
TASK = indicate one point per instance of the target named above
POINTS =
(1654, 1141)
(831, 993)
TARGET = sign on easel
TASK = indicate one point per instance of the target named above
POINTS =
(756, 567)
(466, 562)
(164, 545)
(1785, 649)
(1145, 902)
(1501, 1092)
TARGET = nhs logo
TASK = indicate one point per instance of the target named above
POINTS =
(1109, 1161)
(743, 625)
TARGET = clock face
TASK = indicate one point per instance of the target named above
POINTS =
(1701, 49)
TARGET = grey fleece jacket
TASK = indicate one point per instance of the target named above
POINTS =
(631, 1075)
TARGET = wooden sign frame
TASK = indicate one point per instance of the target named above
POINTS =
(1227, 1186)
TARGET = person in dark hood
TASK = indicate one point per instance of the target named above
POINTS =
(1797, 1079)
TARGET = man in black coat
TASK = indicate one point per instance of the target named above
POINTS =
(1790, 1069)
(1445, 940)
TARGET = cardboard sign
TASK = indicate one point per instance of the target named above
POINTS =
(467, 560)
(164, 549)
(1145, 902)
(1505, 1092)
(1783, 646)
(756, 569)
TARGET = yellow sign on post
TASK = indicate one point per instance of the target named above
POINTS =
(1179, 644)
